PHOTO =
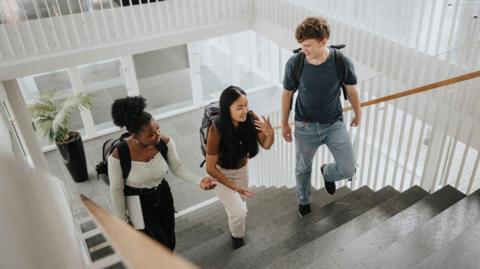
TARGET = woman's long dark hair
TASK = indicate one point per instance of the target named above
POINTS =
(235, 143)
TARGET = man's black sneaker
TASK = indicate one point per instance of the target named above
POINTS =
(237, 242)
(304, 210)
(329, 186)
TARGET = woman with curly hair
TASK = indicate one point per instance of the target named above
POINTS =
(233, 139)
(148, 170)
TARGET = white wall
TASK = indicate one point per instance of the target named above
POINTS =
(36, 224)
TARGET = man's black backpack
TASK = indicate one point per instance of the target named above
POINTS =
(210, 113)
(123, 155)
(339, 65)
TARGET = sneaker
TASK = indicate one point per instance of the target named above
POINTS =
(237, 242)
(329, 186)
(304, 210)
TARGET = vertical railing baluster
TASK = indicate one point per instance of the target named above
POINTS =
(440, 28)
(84, 20)
(32, 37)
(428, 36)
(74, 23)
(52, 25)
(63, 26)
(17, 30)
(474, 172)
(93, 16)
(411, 132)
(134, 17)
(105, 24)
(365, 137)
(7, 37)
(370, 179)
(384, 90)
(420, 24)
(459, 104)
(115, 20)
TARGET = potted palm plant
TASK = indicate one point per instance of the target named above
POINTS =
(51, 116)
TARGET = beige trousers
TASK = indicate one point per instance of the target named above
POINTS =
(234, 204)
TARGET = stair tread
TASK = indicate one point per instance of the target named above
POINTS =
(87, 226)
(216, 209)
(101, 253)
(255, 218)
(191, 237)
(219, 250)
(336, 238)
(460, 253)
(218, 218)
(430, 236)
(95, 240)
(393, 229)
(341, 212)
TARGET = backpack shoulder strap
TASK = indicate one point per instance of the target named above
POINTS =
(340, 68)
(125, 159)
(339, 64)
(104, 151)
(162, 147)
(297, 71)
(298, 68)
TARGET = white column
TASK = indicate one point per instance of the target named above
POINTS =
(194, 61)
(85, 114)
(23, 120)
(131, 81)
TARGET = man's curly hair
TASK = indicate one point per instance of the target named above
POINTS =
(312, 28)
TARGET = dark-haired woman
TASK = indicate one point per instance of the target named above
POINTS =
(148, 171)
(233, 139)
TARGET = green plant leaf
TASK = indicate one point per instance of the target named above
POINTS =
(53, 121)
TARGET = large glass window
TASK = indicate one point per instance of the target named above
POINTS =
(104, 81)
(58, 82)
(164, 78)
(228, 60)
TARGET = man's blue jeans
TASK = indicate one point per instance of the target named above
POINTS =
(309, 136)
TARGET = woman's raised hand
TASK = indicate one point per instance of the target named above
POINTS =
(264, 126)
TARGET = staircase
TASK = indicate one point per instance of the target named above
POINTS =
(351, 229)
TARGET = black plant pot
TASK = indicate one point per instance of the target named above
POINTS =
(73, 156)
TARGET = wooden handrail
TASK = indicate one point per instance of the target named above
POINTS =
(135, 248)
(420, 89)
(413, 91)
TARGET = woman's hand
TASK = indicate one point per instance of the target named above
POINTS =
(244, 191)
(264, 126)
(208, 183)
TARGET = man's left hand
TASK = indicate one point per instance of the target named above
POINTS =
(355, 121)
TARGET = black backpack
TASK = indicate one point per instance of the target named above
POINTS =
(339, 65)
(123, 155)
(210, 114)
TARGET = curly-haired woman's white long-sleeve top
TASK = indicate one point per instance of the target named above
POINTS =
(145, 175)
